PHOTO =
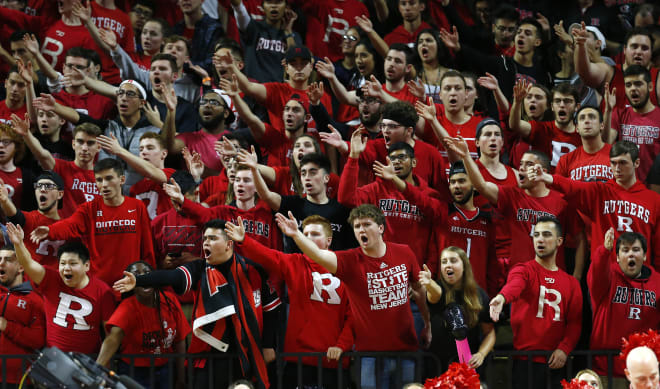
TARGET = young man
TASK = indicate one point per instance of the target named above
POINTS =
(22, 321)
(591, 160)
(638, 122)
(406, 33)
(233, 303)
(77, 304)
(622, 202)
(377, 276)
(622, 295)
(320, 318)
(14, 103)
(554, 138)
(106, 223)
(546, 308)
(48, 189)
(202, 31)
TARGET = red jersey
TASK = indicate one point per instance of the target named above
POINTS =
(90, 103)
(14, 184)
(622, 305)
(610, 205)
(406, 224)
(617, 82)
(319, 310)
(79, 186)
(60, 38)
(641, 129)
(120, 24)
(467, 130)
(284, 183)
(175, 233)
(401, 35)
(521, 211)
(26, 327)
(151, 332)
(578, 165)
(551, 140)
(5, 112)
(152, 194)
(279, 93)
(378, 291)
(213, 184)
(204, 143)
(105, 229)
(75, 316)
(45, 252)
(404, 94)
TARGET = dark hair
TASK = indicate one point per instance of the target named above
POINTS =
(551, 219)
(166, 57)
(401, 112)
(547, 114)
(543, 158)
(583, 107)
(636, 70)
(410, 151)
(81, 52)
(217, 224)
(367, 211)
(566, 88)
(185, 180)
(165, 28)
(95, 58)
(647, 8)
(505, 11)
(638, 31)
(625, 147)
(630, 237)
(146, 3)
(176, 38)
(378, 71)
(535, 23)
(74, 247)
(230, 44)
(294, 172)
(88, 128)
(18, 35)
(410, 56)
(318, 159)
(9, 247)
(452, 73)
(109, 163)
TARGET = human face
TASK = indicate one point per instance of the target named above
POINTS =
(109, 183)
(314, 179)
(79, 63)
(190, 6)
(402, 163)
(150, 150)
(139, 15)
(85, 147)
(588, 123)
(638, 90)
(589, 379)
(212, 113)
(349, 41)
(461, 188)
(504, 30)
(302, 146)
(545, 240)
(47, 194)
(535, 103)
(317, 234)
(395, 65)
(16, 88)
(643, 374)
(394, 132)
(299, 69)
(7, 150)
(64, 6)
(528, 160)
(367, 232)
(427, 47)
(631, 257)
(482, 9)
(294, 116)
(490, 140)
(623, 168)
(217, 248)
(19, 51)
(129, 105)
(470, 93)
(151, 37)
(160, 74)
(223, 68)
(274, 10)
(141, 292)
(369, 108)
(451, 268)
(179, 50)
(10, 269)
(411, 10)
(638, 51)
(526, 38)
(49, 122)
(73, 270)
(564, 108)
(452, 93)
(364, 61)
(244, 188)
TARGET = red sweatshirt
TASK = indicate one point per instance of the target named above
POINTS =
(621, 305)
(610, 205)
(546, 308)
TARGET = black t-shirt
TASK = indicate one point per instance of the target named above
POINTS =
(342, 233)
(653, 178)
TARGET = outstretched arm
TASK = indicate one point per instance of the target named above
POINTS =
(327, 70)
(142, 167)
(522, 127)
(594, 74)
(110, 346)
(43, 156)
(32, 268)
(273, 199)
(487, 189)
(289, 227)
(257, 127)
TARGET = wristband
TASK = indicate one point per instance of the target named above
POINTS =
(206, 79)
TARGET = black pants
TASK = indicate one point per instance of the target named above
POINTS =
(540, 374)
(217, 373)
(310, 375)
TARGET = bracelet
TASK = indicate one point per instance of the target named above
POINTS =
(287, 36)
(206, 79)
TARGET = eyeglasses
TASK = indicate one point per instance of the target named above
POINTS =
(390, 126)
(44, 186)
(145, 13)
(350, 38)
(6, 142)
(129, 93)
(399, 157)
(212, 102)
(506, 29)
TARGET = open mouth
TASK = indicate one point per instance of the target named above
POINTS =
(363, 239)
(240, 192)
(453, 101)
(632, 264)
(562, 114)
(387, 140)
(449, 273)
(157, 81)
(288, 122)
(68, 277)
(123, 107)
(42, 199)
(2, 273)
(425, 52)
(638, 59)
(207, 253)
(520, 42)
(361, 69)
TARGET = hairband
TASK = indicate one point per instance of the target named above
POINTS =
(137, 85)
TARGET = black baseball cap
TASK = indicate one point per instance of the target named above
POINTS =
(298, 52)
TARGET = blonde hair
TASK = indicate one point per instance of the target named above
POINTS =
(471, 302)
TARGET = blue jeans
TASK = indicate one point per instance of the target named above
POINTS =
(383, 373)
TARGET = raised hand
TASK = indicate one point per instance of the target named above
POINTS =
(364, 23)
(358, 142)
(496, 305)
(372, 87)
(20, 126)
(315, 92)
(325, 68)
(489, 82)
(543, 21)
(109, 38)
(562, 34)
(193, 163)
(38, 234)
(248, 159)
(174, 191)
(450, 39)
(235, 232)
(125, 284)
(521, 89)
(230, 87)
(458, 145)
(608, 242)
(4, 192)
(290, 17)
(200, 71)
(31, 43)
(152, 114)
(383, 171)
(225, 148)
(84, 13)
(580, 35)
(169, 96)
(416, 87)
(289, 226)
(426, 111)
(425, 277)
(16, 234)
(609, 96)
(109, 143)
(24, 70)
(45, 102)
(332, 138)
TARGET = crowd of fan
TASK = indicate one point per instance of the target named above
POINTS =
(328, 176)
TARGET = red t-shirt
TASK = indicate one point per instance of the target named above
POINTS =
(79, 186)
(212, 185)
(75, 316)
(90, 103)
(60, 38)
(378, 291)
(404, 94)
(467, 130)
(14, 184)
(5, 112)
(548, 138)
(149, 332)
(279, 93)
(120, 24)
(45, 252)
(546, 308)
(152, 194)
(578, 165)
(401, 35)
(204, 143)
(641, 129)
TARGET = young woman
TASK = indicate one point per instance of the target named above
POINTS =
(536, 106)
(434, 61)
(456, 285)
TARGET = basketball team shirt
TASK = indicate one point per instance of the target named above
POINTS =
(378, 291)
(90, 103)
(14, 183)
(152, 194)
(641, 129)
(279, 93)
(75, 317)
(79, 186)
(579, 165)
(60, 38)
(551, 140)
(44, 252)
(6, 112)
(120, 24)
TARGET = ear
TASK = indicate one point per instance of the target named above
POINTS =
(326, 178)
(636, 163)
(381, 229)
(164, 152)
(122, 179)
(409, 68)
(560, 241)
(422, 6)
(240, 65)
(174, 76)
(537, 42)
(413, 163)
(60, 194)
(86, 266)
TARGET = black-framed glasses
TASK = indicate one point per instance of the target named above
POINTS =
(399, 157)
(211, 102)
(44, 186)
(129, 93)
(351, 38)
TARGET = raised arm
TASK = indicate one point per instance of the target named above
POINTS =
(25, 72)
(289, 227)
(273, 199)
(7, 206)
(491, 83)
(174, 145)
(327, 70)
(257, 127)
(376, 40)
(609, 134)
(252, 89)
(522, 127)
(47, 102)
(141, 166)
(487, 189)
(33, 269)
(43, 156)
(84, 13)
(594, 74)
(99, 86)
(433, 290)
